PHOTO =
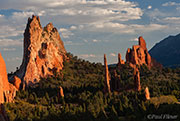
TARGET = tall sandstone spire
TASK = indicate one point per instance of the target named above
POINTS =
(107, 78)
(120, 61)
(44, 52)
(147, 94)
(137, 82)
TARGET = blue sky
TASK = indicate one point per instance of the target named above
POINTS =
(89, 28)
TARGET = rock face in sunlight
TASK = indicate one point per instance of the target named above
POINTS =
(60, 93)
(147, 94)
(137, 82)
(120, 61)
(139, 55)
(44, 52)
(107, 78)
(7, 90)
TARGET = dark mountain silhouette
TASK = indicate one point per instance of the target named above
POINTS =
(167, 51)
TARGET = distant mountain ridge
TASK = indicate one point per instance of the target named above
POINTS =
(167, 51)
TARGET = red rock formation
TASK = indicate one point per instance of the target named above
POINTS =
(138, 55)
(7, 90)
(147, 94)
(60, 93)
(142, 43)
(107, 78)
(120, 61)
(16, 82)
(44, 52)
(137, 82)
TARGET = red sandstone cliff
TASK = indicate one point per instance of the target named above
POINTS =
(7, 90)
(139, 55)
(44, 52)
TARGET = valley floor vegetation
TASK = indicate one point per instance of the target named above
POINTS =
(84, 100)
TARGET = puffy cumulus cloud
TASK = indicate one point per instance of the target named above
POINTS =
(73, 27)
(80, 13)
(148, 28)
(14, 59)
(156, 14)
(87, 56)
(65, 32)
(94, 8)
(149, 7)
(10, 42)
(113, 54)
(171, 20)
(1, 15)
(22, 14)
(72, 43)
(170, 4)
(134, 39)
(8, 49)
(95, 40)
(119, 28)
(9, 31)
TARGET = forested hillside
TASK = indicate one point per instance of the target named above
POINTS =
(84, 99)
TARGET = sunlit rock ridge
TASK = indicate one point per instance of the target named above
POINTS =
(44, 52)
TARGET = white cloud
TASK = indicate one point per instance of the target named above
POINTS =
(65, 32)
(87, 56)
(56, 4)
(93, 8)
(123, 28)
(21, 15)
(73, 27)
(148, 28)
(1, 15)
(173, 20)
(85, 40)
(10, 42)
(72, 43)
(10, 31)
(41, 13)
(113, 54)
(8, 49)
(149, 7)
(14, 59)
(95, 40)
(170, 4)
(134, 39)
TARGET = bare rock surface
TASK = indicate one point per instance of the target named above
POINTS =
(44, 52)
(107, 78)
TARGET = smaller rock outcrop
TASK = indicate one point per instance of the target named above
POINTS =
(7, 90)
(60, 93)
(120, 61)
(147, 94)
(107, 88)
(139, 55)
(137, 82)
(16, 82)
